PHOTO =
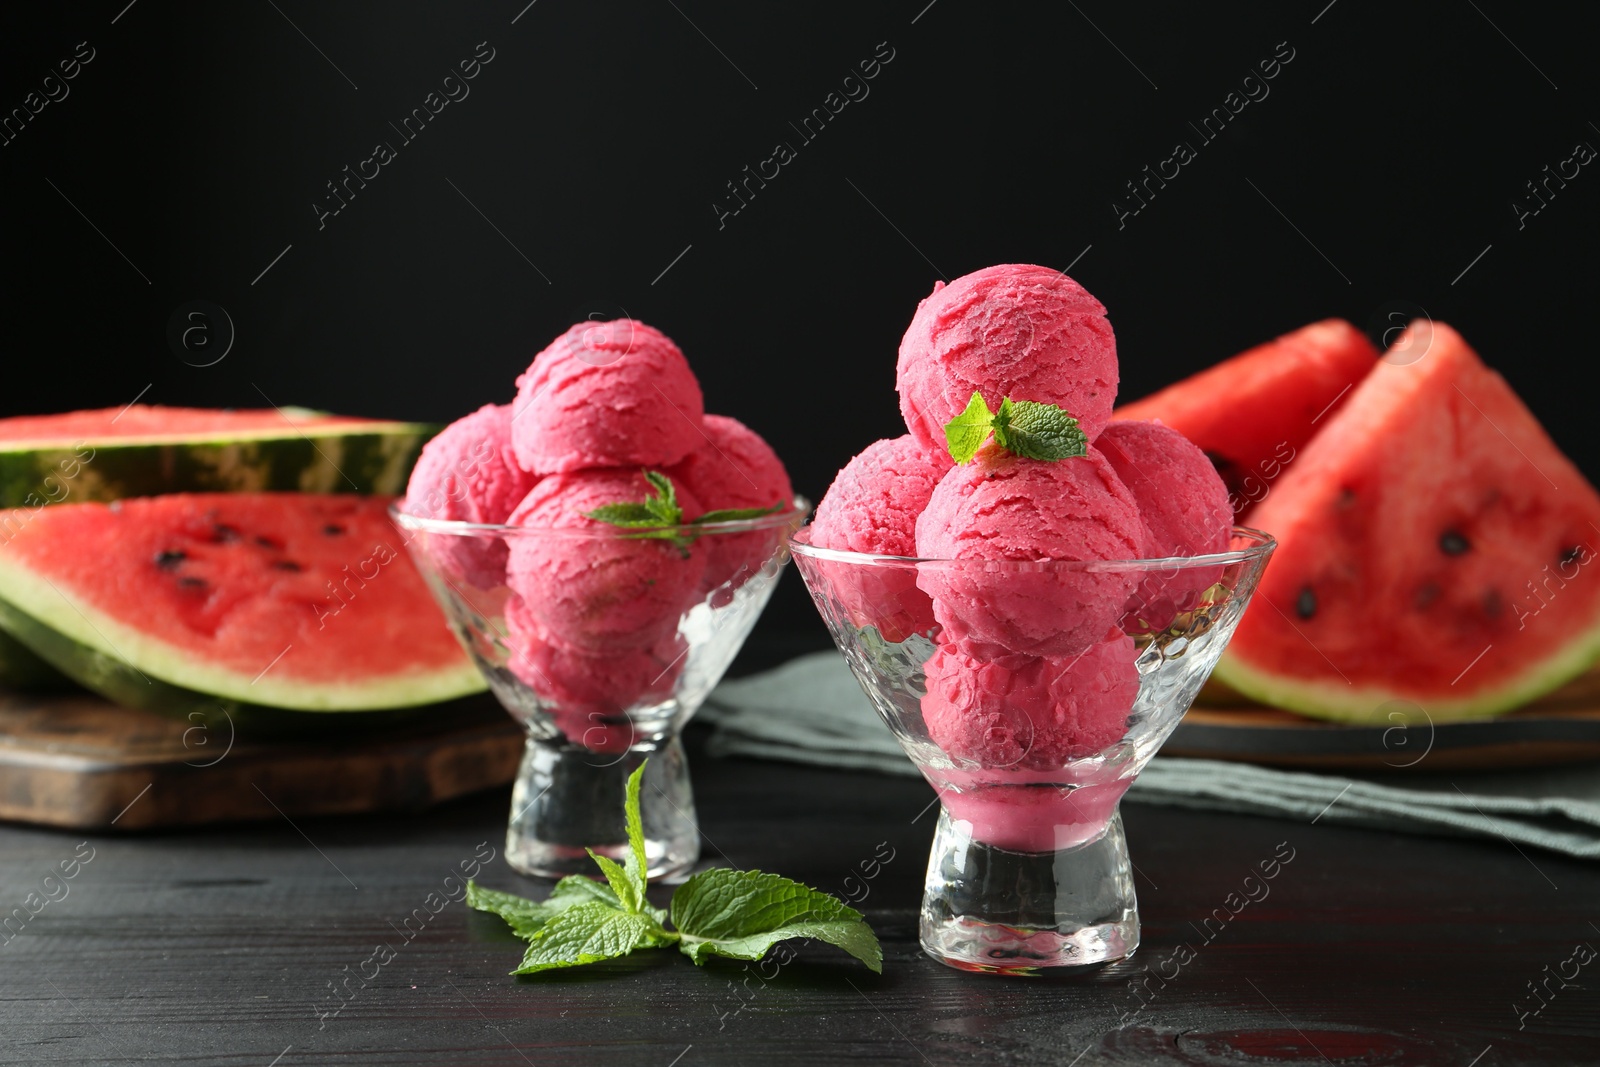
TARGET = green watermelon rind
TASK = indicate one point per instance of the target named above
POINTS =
(140, 671)
(336, 457)
(1351, 705)
(22, 669)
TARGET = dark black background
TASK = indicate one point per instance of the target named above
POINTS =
(597, 140)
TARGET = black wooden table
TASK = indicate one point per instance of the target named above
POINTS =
(225, 946)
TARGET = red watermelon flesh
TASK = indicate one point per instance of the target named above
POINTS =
(1434, 548)
(1253, 413)
(281, 599)
(147, 422)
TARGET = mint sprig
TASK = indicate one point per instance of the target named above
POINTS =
(1024, 428)
(658, 508)
(660, 516)
(719, 912)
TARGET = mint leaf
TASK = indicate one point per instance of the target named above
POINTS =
(744, 913)
(658, 508)
(1038, 431)
(629, 896)
(663, 504)
(738, 514)
(628, 880)
(589, 933)
(636, 865)
(965, 433)
(720, 912)
(623, 515)
(527, 917)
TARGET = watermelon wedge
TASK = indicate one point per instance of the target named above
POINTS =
(141, 450)
(258, 603)
(1252, 414)
(1435, 547)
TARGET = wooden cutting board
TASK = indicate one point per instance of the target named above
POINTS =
(79, 761)
(1562, 727)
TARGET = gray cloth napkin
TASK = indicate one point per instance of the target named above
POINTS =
(811, 710)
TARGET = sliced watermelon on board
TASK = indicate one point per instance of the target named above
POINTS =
(1436, 552)
(141, 450)
(278, 608)
(1253, 413)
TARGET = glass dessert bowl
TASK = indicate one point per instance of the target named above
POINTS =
(601, 642)
(1030, 695)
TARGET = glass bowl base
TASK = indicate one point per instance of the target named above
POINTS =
(1001, 911)
(568, 799)
(970, 944)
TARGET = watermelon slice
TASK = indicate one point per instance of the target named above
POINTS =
(1435, 548)
(141, 450)
(1252, 414)
(244, 602)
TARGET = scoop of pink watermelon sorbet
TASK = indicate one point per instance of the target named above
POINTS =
(872, 506)
(1021, 719)
(1029, 712)
(1014, 330)
(734, 468)
(467, 473)
(607, 394)
(1186, 511)
(589, 693)
(873, 503)
(585, 582)
(1002, 507)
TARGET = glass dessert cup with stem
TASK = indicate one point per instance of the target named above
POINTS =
(601, 678)
(1030, 755)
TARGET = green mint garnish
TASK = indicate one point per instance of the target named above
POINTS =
(1024, 428)
(967, 432)
(721, 912)
(742, 914)
(1038, 431)
(659, 508)
(738, 514)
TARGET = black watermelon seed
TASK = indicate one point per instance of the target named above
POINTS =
(1572, 555)
(333, 529)
(1347, 499)
(170, 558)
(1305, 605)
(1453, 543)
(224, 533)
(1493, 604)
(268, 542)
(1426, 595)
(286, 565)
(191, 582)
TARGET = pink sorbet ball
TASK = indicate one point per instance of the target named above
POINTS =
(585, 582)
(607, 394)
(1005, 508)
(1027, 712)
(1185, 507)
(872, 506)
(467, 473)
(589, 694)
(1030, 333)
(735, 468)
(873, 503)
